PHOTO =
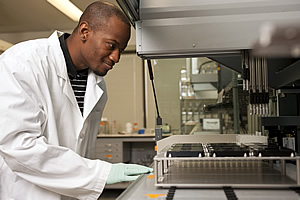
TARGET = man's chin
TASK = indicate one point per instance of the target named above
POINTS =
(100, 73)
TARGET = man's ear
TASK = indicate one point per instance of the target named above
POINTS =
(83, 30)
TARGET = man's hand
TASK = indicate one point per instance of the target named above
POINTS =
(126, 172)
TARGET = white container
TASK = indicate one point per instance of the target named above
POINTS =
(104, 126)
(128, 127)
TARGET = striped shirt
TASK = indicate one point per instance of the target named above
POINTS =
(78, 79)
(79, 86)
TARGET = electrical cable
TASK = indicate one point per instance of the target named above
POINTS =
(158, 119)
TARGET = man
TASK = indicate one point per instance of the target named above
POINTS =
(46, 132)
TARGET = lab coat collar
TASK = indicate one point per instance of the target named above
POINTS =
(95, 89)
(95, 84)
(60, 63)
(60, 66)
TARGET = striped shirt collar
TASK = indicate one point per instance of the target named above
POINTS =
(70, 66)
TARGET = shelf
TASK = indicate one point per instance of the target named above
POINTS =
(204, 78)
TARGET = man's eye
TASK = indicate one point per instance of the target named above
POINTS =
(111, 46)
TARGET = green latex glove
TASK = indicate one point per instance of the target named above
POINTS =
(126, 172)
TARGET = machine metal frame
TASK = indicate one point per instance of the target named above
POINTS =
(239, 172)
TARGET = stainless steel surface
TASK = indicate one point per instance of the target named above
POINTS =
(233, 173)
(207, 27)
(278, 41)
(239, 172)
(132, 9)
(218, 29)
(144, 188)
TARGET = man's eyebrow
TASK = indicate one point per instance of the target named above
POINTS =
(115, 41)
(121, 49)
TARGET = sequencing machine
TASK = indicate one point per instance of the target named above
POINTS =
(260, 39)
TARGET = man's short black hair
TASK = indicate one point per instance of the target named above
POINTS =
(98, 13)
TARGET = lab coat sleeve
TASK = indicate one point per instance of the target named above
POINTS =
(27, 152)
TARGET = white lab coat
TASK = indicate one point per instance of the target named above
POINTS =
(43, 136)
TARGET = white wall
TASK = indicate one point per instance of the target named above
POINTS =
(167, 76)
(125, 92)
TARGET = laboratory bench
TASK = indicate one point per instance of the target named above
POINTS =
(130, 148)
(139, 149)
(125, 148)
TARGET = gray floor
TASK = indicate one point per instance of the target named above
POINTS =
(110, 194)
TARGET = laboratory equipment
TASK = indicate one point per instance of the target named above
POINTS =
(268, 87)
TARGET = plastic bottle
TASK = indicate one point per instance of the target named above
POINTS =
(135, 129)
(184, 90)
(114, 127)
(183, 74)
(104, 126)
(128, 128)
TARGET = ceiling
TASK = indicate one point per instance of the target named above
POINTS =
(36, 15)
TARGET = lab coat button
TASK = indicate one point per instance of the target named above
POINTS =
(82, 135)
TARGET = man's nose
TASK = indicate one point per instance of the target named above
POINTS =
(115, 56)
